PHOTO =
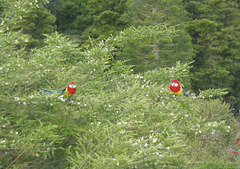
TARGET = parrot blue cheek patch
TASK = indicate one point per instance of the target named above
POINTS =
(183, 89)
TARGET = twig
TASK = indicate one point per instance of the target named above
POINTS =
(86, 160)
(18, 157)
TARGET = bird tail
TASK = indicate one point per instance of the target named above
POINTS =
(47, 91)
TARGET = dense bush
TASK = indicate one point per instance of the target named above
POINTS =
(117, 118)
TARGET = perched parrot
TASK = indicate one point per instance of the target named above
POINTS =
(177, 88)
(70, 90)
(67, 92)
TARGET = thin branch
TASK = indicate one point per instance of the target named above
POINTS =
(18, 157)
(86, 160)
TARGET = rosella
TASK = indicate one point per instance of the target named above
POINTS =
(67, 92)
(70, 90)
(177, 88)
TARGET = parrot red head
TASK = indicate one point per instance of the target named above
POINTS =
(72, 87)
(175, 85)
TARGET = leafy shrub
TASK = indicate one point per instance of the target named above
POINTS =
(115, 119)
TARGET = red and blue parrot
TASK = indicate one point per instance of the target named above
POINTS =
(70, 90)
(67, 92)
(177, 88)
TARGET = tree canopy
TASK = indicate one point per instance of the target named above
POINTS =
(122, 55)
(214, 29)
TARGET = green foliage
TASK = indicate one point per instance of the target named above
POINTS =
(148, 55)
(151, 12)
(215, 30)
(116, 118)
(89, 18)
(180, 72)
(206, 32)
(213, 93)
(30, 17)
(38, 22)
(140, 46)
